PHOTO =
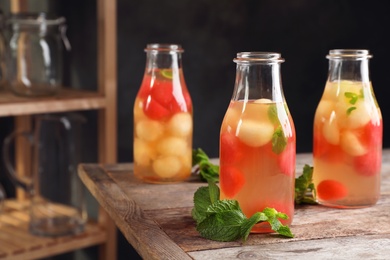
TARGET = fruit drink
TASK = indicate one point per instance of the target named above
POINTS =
(257, 158)
(347, 145)
(163, 127)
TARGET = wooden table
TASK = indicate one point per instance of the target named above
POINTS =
(156, 221)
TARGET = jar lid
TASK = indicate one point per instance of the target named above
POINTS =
(35, 19)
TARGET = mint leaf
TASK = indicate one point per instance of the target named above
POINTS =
(273, 114)
(201, 202)
(349, 110)
(213, 192)
(248, 225)
(207, 171)
(304, 187)
(223, 222)
(279, 141)
(353, 97)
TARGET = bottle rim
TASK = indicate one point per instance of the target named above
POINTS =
(258, 57)
(354, 54)
(164, 47)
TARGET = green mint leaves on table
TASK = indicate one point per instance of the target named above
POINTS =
(207, 171)
(304, 187)
(223, 220)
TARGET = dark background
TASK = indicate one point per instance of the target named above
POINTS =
(212, 32)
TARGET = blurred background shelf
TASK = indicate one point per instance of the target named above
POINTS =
(15, 240)
(17, 243)
(65, 100)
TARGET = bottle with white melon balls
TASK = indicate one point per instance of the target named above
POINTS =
(163, 122)
(347, 147)
(257, 140)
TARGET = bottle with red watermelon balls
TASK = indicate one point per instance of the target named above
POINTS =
(347, 134)
(163, 121)
(257, 140)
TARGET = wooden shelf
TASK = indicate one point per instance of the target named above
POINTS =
(65, 100)
(17, 243)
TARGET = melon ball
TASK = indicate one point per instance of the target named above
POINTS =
(258, 109)
(331, 91)
(180, 124)
(172, 146)
(149, 130)
(351, 144)
(324, 110)
(167, 167)
(331, 131)
(138, 110)
(143, 154)
(356, 118)
(255, 133)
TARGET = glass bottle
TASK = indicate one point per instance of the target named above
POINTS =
(35, 48)
(348, 134)
(257, 140)
(163, 122)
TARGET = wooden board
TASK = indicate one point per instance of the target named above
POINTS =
(156, 220)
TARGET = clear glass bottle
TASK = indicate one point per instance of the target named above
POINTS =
(257, 140)
(35, 49)
(348, 134)
(163, 122)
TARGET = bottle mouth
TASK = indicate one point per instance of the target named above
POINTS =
(164, 47)
(258, 57)
(353, 54)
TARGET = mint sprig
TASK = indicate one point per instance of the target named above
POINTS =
(305, 191)
(201, 162)
(353, 98)
(279, 141)
(223, 220)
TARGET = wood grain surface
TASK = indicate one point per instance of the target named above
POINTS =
(157, 222)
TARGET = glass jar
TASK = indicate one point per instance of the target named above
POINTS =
(35, 63)
(348, 134)
(257, 140)
(163, 122)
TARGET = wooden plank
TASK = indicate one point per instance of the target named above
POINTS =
(138, 228)
(107, 117)
(361, 247)
(66, 100)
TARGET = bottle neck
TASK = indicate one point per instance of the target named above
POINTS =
(257, 81)
(163, 60)
(348, 69)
